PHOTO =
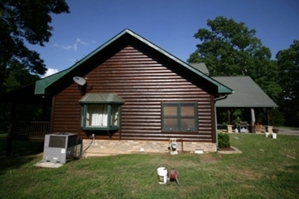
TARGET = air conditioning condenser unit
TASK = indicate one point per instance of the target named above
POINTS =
(60, 147)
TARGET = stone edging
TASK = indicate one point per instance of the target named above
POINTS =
(236, 151)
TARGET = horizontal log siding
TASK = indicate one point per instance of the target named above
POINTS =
(143, 83)
(66, 111)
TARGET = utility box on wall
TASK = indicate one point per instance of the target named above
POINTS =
(60, 147)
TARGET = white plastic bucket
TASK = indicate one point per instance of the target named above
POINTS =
(274, 135)
(266, 134)
(162, 175)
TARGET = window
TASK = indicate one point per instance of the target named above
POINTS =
(100, 111)
(97, 115)
(100, 116)
(179, 117)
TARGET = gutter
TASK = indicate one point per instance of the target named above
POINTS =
(222, 97)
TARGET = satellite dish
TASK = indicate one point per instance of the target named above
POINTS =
(79, 80)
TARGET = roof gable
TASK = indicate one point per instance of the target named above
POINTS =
(42, 85)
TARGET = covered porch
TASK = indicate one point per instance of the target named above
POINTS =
(33, 131)
(250, 99)
(29, 115)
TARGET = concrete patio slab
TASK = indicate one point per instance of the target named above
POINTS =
(48, 164)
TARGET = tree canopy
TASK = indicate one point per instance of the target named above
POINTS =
(288, 63)
(23, 22)
(28, 21)
(229, 48)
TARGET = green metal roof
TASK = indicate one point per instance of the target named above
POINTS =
(92, 98)
(201, 67)
(43, 84)
(247, 93)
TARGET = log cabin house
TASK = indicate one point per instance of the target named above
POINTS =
(130, 96)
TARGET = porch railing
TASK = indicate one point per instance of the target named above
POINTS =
(29, 129)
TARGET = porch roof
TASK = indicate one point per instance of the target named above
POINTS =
(247, 94)
(25, 95)
(42, 86)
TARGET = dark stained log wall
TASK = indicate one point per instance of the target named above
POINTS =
(144, 80)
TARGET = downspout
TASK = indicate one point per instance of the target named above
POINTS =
(222, 97)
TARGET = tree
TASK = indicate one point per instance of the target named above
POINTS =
(25, 20)
(22, 21)
(230, 49)
(18, 76)
(288, 63)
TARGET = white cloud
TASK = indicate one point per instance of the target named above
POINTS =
(51, 71)
(75, 46)
(70, 47)
(80, 41)
(67, 47)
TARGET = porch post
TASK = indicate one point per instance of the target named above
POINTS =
(229, 117)
(252, 116)
(44, 112)
(268, 116)
(10, 130)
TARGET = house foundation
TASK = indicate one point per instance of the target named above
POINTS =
(111, 147)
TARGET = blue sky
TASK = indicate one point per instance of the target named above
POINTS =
(170, 24)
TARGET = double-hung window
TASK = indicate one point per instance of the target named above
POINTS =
(100, 111)
(179, 117)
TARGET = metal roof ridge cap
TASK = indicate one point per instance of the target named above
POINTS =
(110, 97)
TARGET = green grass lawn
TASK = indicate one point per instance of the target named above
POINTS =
(268, 168)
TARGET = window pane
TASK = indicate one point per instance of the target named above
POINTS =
(179, 116)
(97, 115)
(114, 115)
(170, 110)
(170, 122)
(187, 110)
(187, 123)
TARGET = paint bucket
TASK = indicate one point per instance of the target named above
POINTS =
(162, 175)
(266, 134)
(274, 135)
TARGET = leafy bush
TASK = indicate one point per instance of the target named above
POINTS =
(223, 140)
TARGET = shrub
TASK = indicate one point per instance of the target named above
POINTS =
(223, 140)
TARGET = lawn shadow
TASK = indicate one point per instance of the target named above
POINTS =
(22, 153)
